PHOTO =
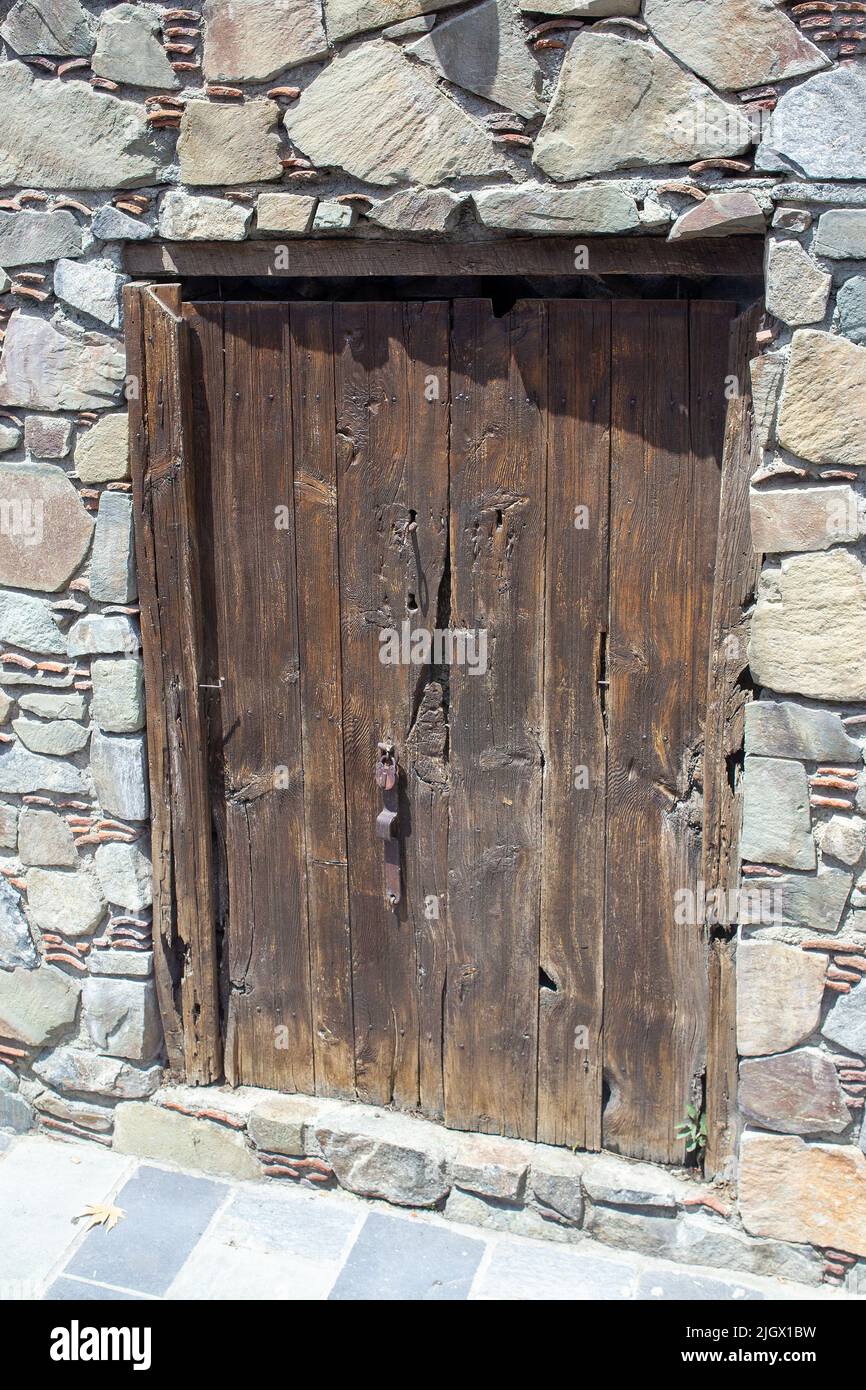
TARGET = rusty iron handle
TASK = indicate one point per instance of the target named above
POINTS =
(387, 826)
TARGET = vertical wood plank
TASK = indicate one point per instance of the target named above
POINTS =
(499, 447)
(575, 772)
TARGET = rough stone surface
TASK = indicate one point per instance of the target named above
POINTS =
(623, 1183)
(383, 119)
(102, 633)
(380, 1154)
(37, 1005)
(332, 216)
(593, 209)
(69, 903)
(483, 50)
(122, 1018)
(555, 1182)
(38, 502)
(59, 737)
(21, 771)
(779, 994)
(621, 105)
(182, 218)
(343, 18)
(112, 566)
(816, 902)
(112, 224)
(125, 875)
(118, 695)
(720, 214)
(44, 839)
(794, 1191)
(733, 43)
(802, 518)
(47, 436)
(8, 826)
(851, 309)
(817, 128)
(842, 234)
(427, 210)
(93, 287)
(16, 943)
(128, 49)
(489, 1166)
(279, 1124)
(285, 212)
(49, 28)
(102, 452)
(119, 767)
(797, 291)
(136, 964)
(795, 1092)
(493, 1214)
(589, 9)
(254, 41)
(10, 438)
(166, 1136)
(44, 369)
(843, 838)
(28, 622)
(224, 144)
(75, 1069)
(64, 704)
(845, 1024)
(26, 237)
(67, 135)
(806, 634)
(15, 1113)
(777, 824)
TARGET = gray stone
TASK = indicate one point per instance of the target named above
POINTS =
(417, 210)
(28, 237)
(842, 234)
(780, 990)
(112, 567)
(182, 218)
(845, 1024)
(37, 1005)
(128, 49)
(119, 767)
(68, 135)
(815, 902)
(782, 729)
(489, 1166)
(380, 1154)
(851, 309)
(803, 518)
(44, 839)
(334, 217)
(118, 695)
(125, 875)
(618, 1182)
(102, 453)
(797, 291)
(103, 632)
(343, 18)
(93, 287)
(15, 1114)
(49, 28)
(285, 212)
(136, 964)
(16, 943)
(777, 823)
(707, 1240)
(21, 771)
(111, 224)
(44, 528)
(221, 144)
(166, 1137)
(47, 436)
(122, 1018)
(620, 105)
(484, 50)
(590, 210)
(720, 214)
(650, 1232)
(255, 41)
(555, 1182)
(383, 119)
(85, 1114)
(66, 704)
(733, 43)
(816, 129)
(59, 738)
(69, 903)
(8, 826)
(74, 1069)
(28, 622)
(8, 1079)
(842, 838)
(792, 219)
(10, 438)
(806, 633)
(44, 369)
(410, 28)
(796, 1092)
(491, 1214)
(589, 9)
(766, 374)
(279, 1124)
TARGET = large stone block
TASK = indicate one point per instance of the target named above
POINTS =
(621, 105)
(591, 210)
(289, 213)
(45, 531)
(49, 28)
(67, 135)
(69, 903)
(28, 622)
(555, 1183)
(817, 128)
(381, 1154)
(720, 214)
(279, 1124)
(110, 224)
(383, 119)
(43, 369)
(823, 412)
(794, 1191)
(112, 565)
(150, 1132)
(803, 518)
(49, 704)
(842, 234)
(777, 822)
(489, 1166)
(103, 633)
(122, 1018)
(845, 1024)
(45, 840)
(843, 838)
(428, 210)
(733, 43)
(118, 694)
(102, 453)
(21, 771)
(16, 943)
(851, 307)
(796, 1092)
(128, 49)
(118, 763)
(224, 144)
(91, 286)
(806, 634)
(346, 17)
(47, 436)
(37, 1005)
(254, 41)
(125, 875)
(75, 1069)
(58, 737)
(484, 50)
(813, 901)
(28, 237)
(779, 994)
(182, 218)
(797, 291)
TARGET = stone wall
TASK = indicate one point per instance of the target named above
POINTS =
(277, 118)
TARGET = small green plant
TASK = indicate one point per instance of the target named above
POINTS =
(693, 1128)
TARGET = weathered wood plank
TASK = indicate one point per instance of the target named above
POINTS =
(575, 771)
(498, 461)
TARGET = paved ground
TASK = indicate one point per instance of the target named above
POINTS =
(185, 1236)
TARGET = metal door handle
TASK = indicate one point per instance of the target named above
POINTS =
(387, 827)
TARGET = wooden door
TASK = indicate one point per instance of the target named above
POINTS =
(549, 479)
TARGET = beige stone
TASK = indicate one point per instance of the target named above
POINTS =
(225, 144)
(593, 209)
(813, 1194)
(102, 452)
(733, 43)
(843, 838)
(807, 627)
(823, 412)
(720, 214)
(279, 1124)
(797, 291)
(289, 213)
(184, 218)
(417, 210)
(253, 40)
(766, 374)
(802, 518)
(37, 1005)
(346, 17)
(45, 531)
(585, 9)
(44, 369)
(168, 1137)
(779, 994)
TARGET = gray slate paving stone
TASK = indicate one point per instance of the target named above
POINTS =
(65, 1290)
(166, 1215)
(289, 1221)
(399, 1259)
(524, 1270)
(658, 1284)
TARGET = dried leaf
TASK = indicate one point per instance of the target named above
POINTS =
(102, 1214)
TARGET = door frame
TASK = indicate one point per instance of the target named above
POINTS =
(186, 957)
